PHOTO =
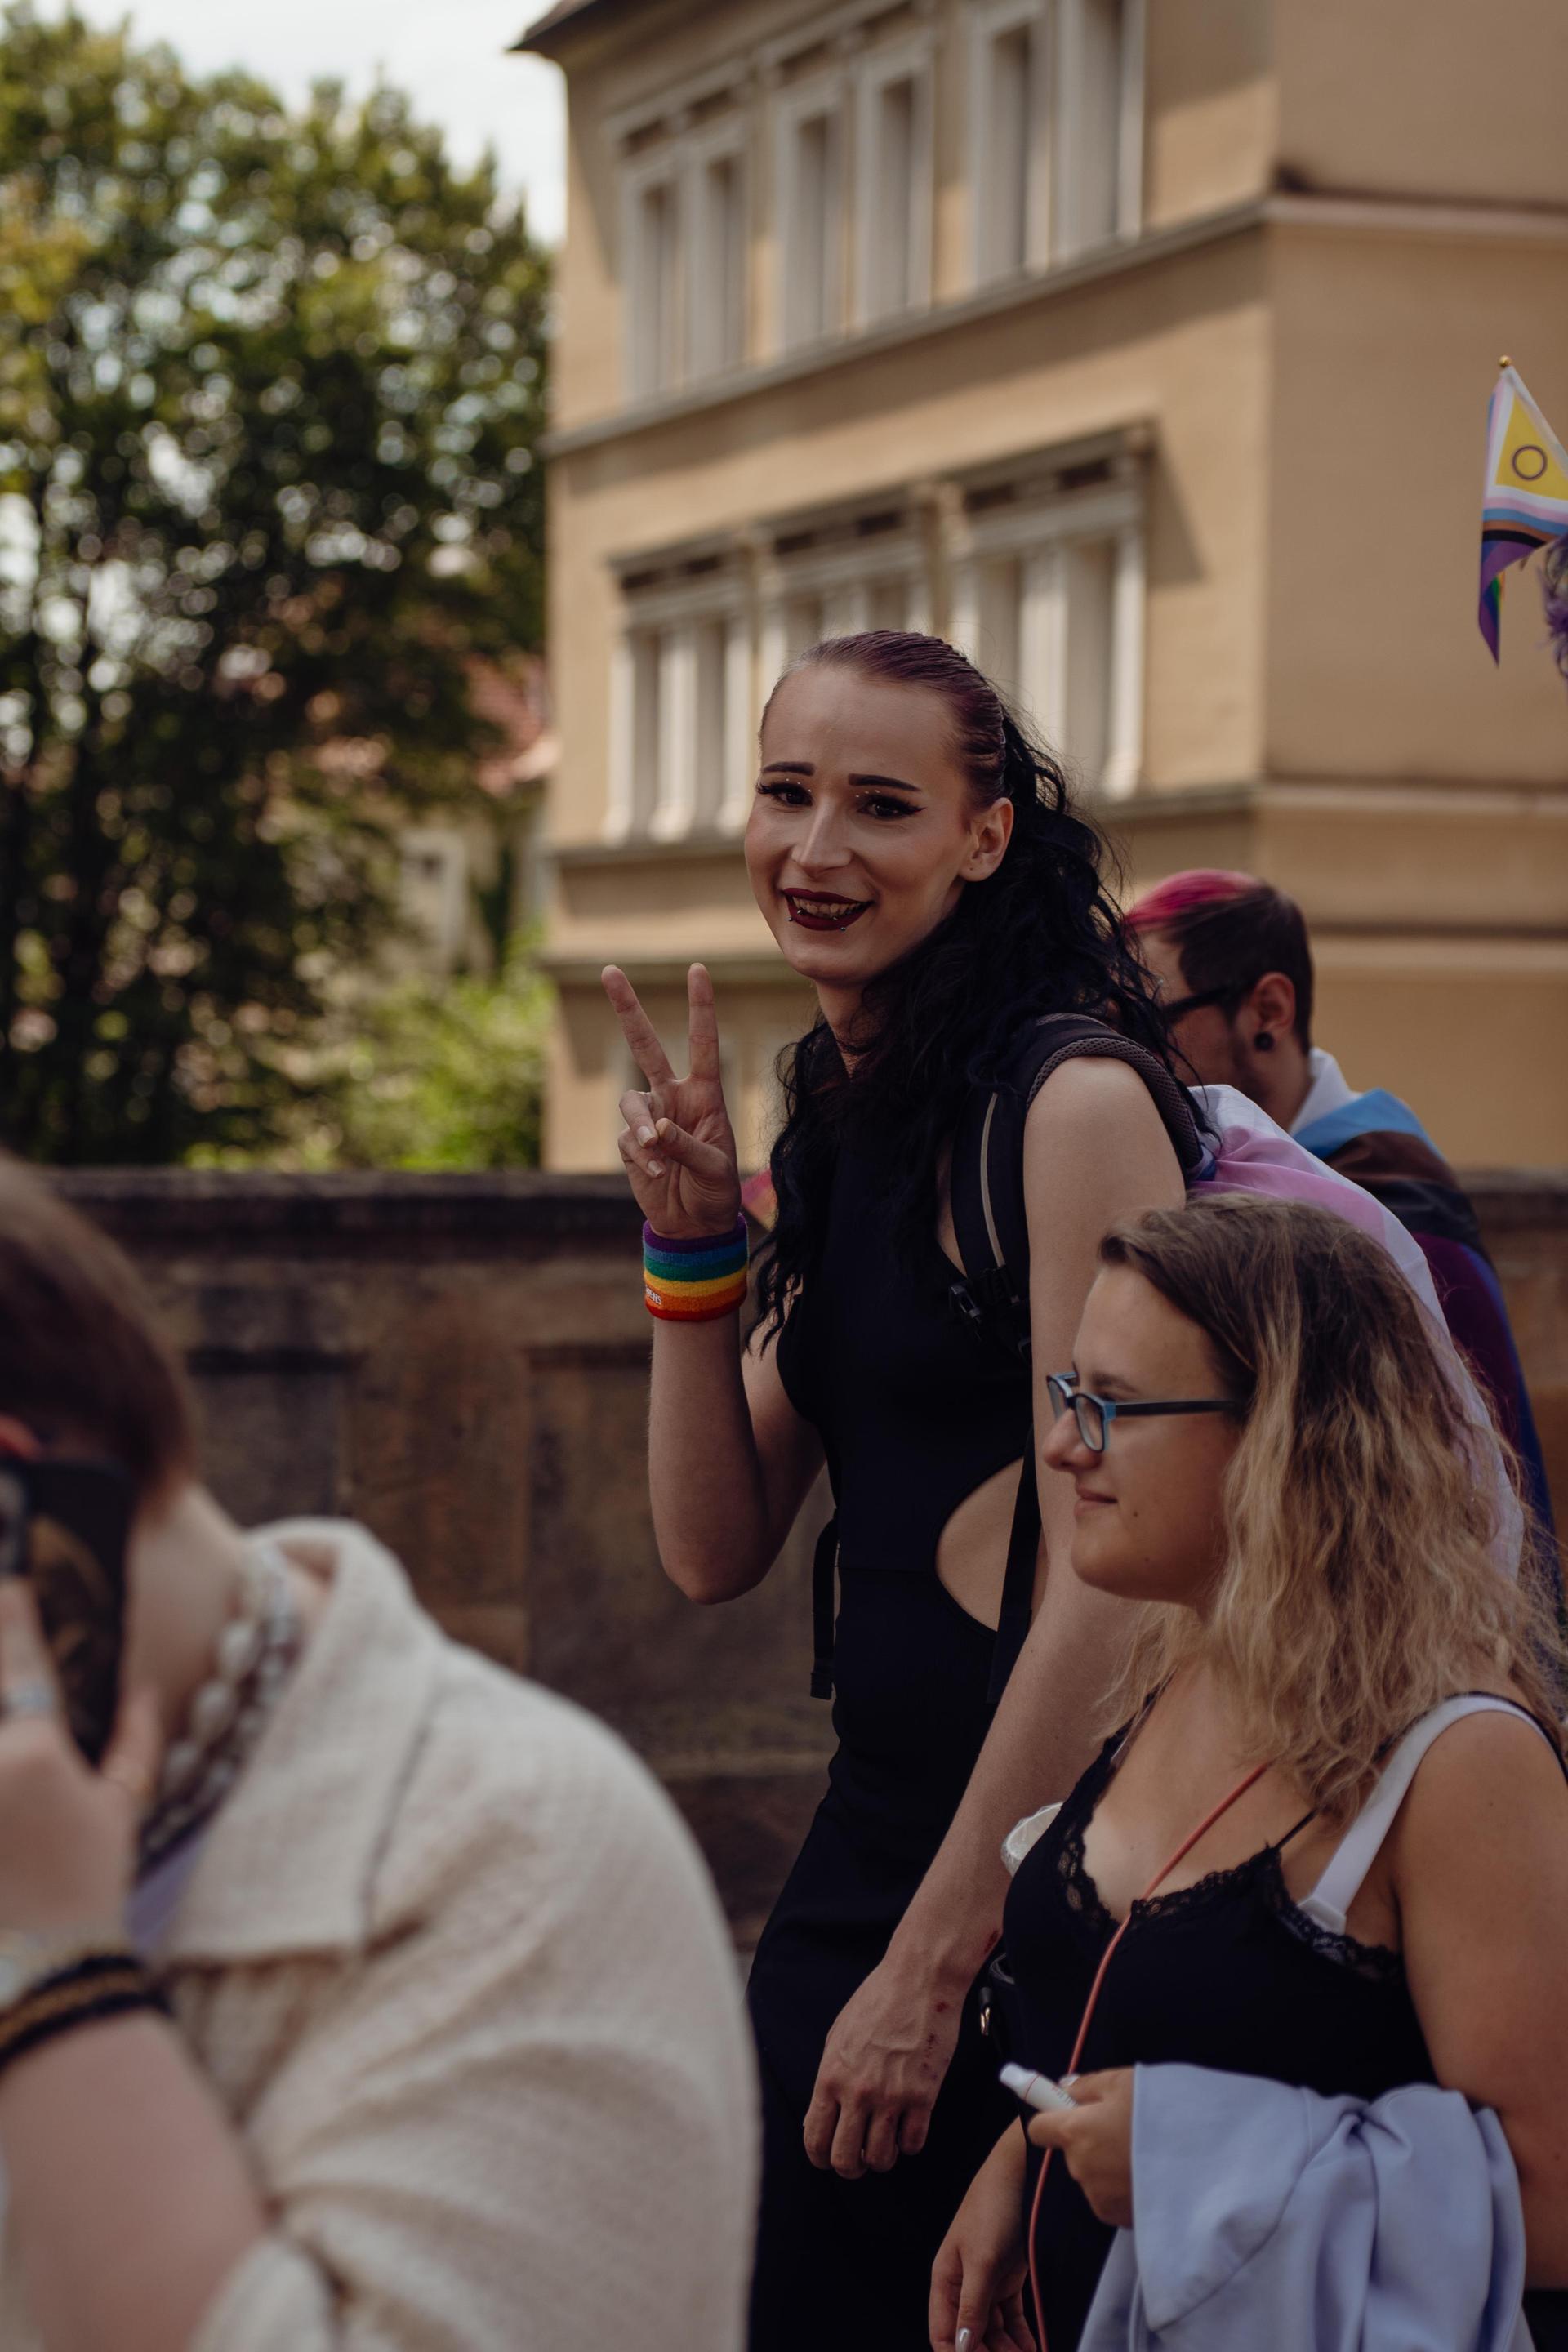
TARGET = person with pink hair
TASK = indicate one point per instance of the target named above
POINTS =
(1231, 956)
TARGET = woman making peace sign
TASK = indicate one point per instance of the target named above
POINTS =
(918, 861)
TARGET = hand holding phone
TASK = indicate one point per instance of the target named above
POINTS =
(64, 1526)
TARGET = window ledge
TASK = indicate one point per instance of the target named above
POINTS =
(638, 849)
(1384, 215)
(1111, 259)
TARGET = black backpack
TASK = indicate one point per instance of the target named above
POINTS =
(990, 1221)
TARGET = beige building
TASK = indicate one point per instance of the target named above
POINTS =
(1140, 346)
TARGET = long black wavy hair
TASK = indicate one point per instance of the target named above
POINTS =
(1039, 935)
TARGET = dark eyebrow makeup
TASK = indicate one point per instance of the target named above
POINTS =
(860, 783)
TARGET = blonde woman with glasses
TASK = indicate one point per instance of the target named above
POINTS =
(1269, 1457)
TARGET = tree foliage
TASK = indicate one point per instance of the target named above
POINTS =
(270, 385)
(430, 1073)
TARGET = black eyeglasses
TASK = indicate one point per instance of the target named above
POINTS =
(1095, 1415)
(1176, 1008)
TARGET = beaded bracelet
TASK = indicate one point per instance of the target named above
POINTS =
(694, 1281)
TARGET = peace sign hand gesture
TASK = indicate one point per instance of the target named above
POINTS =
(677, 1143)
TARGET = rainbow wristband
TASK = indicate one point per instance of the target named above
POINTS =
(694, 1281)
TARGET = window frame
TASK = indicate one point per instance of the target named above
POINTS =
(1038, 531)
(842, 572)
(649, 369)
(726, 142)
(1123, 97)
(666, 802)
(990, 24)
(823, 95)
(1054, 233)
(910, 59)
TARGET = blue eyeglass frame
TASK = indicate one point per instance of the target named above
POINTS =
(1064, 1393)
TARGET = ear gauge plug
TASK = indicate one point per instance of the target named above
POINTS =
(1264, 1041)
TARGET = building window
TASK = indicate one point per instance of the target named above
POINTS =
(1093, 55)
(811, 214)
(653, 287)
(686, 251)
(1010, 139)
(1088, 612)
(717, 296)
(895, 183)
(891, 604)
(1048, 598)
(680, 704)
(710, 691)
(836, 574)
(1055, 129)
(1043, 625)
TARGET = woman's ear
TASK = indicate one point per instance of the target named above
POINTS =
(988, 838)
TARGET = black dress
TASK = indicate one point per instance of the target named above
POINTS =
(1228, 1973)
(915, 1411)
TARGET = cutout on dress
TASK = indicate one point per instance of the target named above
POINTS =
(972, 1549)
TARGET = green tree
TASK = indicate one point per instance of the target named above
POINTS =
(270, 385)
(431, 1074)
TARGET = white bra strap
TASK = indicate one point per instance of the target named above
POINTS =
(1336, 1890)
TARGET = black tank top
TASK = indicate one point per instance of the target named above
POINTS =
(916, 1410)
(1227, 1973)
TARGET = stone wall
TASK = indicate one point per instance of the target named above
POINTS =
(462, 1363)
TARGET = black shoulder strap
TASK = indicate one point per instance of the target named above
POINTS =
(823, 1607)
(990, 1219)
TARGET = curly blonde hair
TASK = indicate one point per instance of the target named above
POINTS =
(1360, 1583)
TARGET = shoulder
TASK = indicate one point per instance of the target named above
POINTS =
(1095, 1124)
(1488, 1793)
(549, 1885)
(519, 1806)
(1091, 1087)
(1494, 1753)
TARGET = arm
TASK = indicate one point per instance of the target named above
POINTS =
(519, 2117)
(977, 2279)
(1095, 1152)
(1479, 1864)
(105, 2133)
(730, 1461)
(108, 2132)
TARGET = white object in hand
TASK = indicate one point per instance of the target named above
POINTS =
(1035, 2090)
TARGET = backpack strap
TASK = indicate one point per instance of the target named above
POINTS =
(823, 1607)
(990, 1217)
(991, 1225)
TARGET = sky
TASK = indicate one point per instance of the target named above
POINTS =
(449, 55)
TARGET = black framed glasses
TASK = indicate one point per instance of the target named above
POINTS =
(1171, 1009)
(1095, 1415)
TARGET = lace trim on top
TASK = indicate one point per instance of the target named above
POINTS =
(1375, 1962)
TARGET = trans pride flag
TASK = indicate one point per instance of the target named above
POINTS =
(1526, 501)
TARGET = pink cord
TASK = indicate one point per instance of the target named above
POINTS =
(1164, 1871)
